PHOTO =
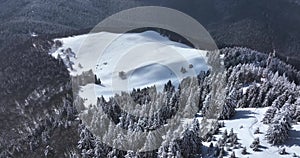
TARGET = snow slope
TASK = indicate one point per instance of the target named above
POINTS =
(246, 121)
(145, 58)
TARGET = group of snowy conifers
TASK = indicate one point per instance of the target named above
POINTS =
(247, 70)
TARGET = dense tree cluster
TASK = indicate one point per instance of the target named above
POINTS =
(32, 85)
(189, 145)
(265, 81)
(250, 80)
(240, 55)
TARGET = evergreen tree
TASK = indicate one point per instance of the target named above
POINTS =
(255, 144)
(257, 131)
(282, 151)
(232, 155)
(270, 113)
(97, 80)
(296, 113)
(244, 151)
(277, 132)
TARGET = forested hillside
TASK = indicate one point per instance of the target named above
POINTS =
(252, 80)
(259, 24)
(259, 45)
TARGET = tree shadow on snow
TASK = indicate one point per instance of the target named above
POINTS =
(263, 147)
(244, 114)
(294, 138)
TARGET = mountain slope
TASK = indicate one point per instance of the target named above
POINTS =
(258, 24)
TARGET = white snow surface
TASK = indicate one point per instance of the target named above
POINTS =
(146, 58)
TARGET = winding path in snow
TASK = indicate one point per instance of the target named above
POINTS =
(250, 129)
(251, 126)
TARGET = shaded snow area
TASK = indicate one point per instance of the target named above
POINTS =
(245, 123)
(127, 61)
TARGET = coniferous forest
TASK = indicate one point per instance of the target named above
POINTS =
(247, 104)
(253, 80)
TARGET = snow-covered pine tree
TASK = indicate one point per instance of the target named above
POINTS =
(296, 114)
(278, 130)
(244, 151)
(255, 144)
(270, 113)
(228, 109)
(190, 144)
(232, 155)
(269, 98)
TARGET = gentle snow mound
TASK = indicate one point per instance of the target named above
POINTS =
(105, 53)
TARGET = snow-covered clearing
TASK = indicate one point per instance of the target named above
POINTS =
(146, 59)
(245, 122)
